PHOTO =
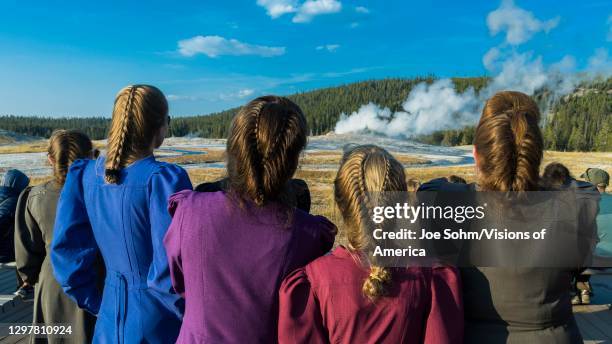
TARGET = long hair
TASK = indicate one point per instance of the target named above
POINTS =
(139, 112)
(365, 170)
(263, 148)
(66, 146)
(508, 143)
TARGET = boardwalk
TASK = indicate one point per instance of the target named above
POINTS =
(595, 321)
(12, 309)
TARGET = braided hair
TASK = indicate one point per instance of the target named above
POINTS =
(66, 146)
(139, 112)
(263, 148)
(365, 171)
(508, 143)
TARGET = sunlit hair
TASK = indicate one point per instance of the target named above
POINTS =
(139, 112)
(509, 143)
(66, 146)
(413, 184)
(263, 148)
(365, 170)
(556, 174)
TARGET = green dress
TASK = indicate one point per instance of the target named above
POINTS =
(34, 222)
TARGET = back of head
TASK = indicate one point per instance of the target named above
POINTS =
(138, 114)
(456, 179)
(508, 143)
(597, 177)
(366, 170)
(66, 146)
(263, 148)
(15, 180)
(556, 174)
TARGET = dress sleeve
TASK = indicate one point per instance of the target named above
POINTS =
(300, 318)
(327, 234)
(172, 242)
(445, 318)
(74, 251)
(29, 244)
(168, 180)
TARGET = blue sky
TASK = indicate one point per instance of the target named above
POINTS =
(69, 58)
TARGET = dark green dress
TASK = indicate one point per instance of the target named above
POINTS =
(34, 222)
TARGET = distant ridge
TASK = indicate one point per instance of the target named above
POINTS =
(580, 121)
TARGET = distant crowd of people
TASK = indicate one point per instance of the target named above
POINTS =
(123, 249)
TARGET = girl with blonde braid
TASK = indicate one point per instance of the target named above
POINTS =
(33, 235)
(345, 297)
(116, 207)
(229, 250)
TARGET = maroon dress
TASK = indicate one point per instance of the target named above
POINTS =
(323, 303)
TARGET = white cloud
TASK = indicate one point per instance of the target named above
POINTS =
(600, 63)
(245, 93)
(361, 9)
(312, 8)
(179, 97)
(304, 11)
(329, 47)
(518, 24)
(241, 94)
(214, 46)
(490, 57)
(354, 25)
(276, 8)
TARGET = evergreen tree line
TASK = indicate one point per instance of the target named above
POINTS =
(577, 122)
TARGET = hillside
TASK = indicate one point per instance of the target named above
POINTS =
(580, 121)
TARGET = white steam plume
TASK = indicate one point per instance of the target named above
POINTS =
(439, 106)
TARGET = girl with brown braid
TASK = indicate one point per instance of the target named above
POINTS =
(116, 207)
(345, 297)
(512, 304)
(229, 250)
(33, 235)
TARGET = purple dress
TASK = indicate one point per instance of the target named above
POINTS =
(228, 262)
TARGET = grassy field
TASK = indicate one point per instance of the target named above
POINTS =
(320, 180)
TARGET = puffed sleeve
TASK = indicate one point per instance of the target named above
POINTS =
(172, 241)
(445, 318)
(74, 251)
(327, 233)
(168, 180)
(29, 243)
(300, 318)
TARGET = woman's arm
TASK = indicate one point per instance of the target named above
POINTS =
(29, 244)
(445, 320)
(168, 180)
(74, 250)
(299, 316)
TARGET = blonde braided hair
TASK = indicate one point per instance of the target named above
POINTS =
(365, 170)
(139, 112)
(66, 146)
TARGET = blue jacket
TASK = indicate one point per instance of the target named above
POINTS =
(126, 224)
(11, 185)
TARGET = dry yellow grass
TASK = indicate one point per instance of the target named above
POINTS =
(320, 182)
(30, 147)
(35, 147)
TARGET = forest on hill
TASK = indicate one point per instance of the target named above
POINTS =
(581, 121)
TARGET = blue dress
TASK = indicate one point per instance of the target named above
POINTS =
(125, 224)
